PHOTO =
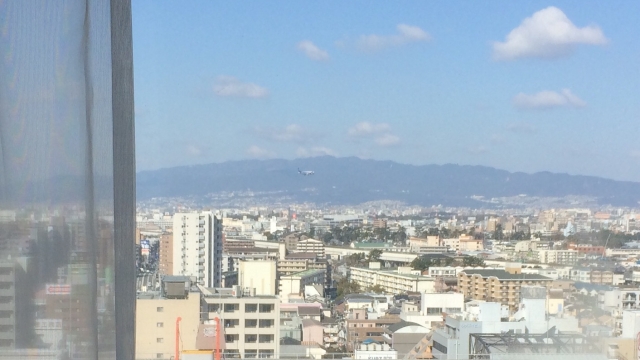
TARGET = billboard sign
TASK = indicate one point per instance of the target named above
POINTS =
(58, 289)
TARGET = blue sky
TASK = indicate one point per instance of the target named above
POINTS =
(522, 86)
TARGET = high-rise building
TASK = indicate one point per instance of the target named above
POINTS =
(197, 247)
(165, 261)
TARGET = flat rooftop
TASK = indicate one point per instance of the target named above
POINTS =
(504, 275)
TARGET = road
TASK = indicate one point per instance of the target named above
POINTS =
(148, 281)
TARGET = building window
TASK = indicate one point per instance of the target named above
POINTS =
(250, 338)
(251, 323)
(231, 323)
(266, 308)
(266, 323)
(231, 307)
(434, 311)
(159, 356)
(265, 339)
(159, 340)
(439, 347)
(160, 309)
(159, 324)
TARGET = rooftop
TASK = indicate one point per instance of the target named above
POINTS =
(394, 272)
(308, 272)
(503, 275)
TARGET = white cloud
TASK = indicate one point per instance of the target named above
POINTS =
(547, 34)
(260, 153)
(230, 86)
(312, 51)
(194, 150)
(380, 133)
(366, 128)
(290, 133)
(406, 34)
(387, 140)
(478, 149)
(547, 99)
(315, 151)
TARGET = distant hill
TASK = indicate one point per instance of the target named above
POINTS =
(352, 180)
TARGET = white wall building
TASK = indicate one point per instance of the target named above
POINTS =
(567, 257)
(400, 280)
(259, 275)
(197, 247)
(432, 308)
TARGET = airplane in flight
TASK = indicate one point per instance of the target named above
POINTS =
(306, 172)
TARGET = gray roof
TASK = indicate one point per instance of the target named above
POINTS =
(504, 275)
(308, 310)
(402, 324)
(310, 322)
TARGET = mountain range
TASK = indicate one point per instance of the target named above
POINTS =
(351, 180)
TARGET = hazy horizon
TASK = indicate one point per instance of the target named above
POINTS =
(520, 86)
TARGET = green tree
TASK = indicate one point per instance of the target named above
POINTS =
(345, 287)
(498, 234)
(374, 255)
(472, 261)
(377, 289)
(355, 259)
(421, 263)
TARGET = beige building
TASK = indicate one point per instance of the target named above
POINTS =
(295, 283)
(165, 254)
(469, 243)
(251, 323)
(292, 266)
(379, 223)
(156, 316)
(259, 275)
(311, 246)
(394, 281)
(497, 285)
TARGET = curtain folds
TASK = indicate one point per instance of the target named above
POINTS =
(67, 178)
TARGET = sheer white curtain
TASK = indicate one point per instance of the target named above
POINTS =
(66, 142)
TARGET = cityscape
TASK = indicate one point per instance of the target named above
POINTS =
(361, 181)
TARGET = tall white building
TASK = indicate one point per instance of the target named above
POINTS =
(197, 247)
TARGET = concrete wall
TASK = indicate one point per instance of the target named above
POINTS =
(156, 328)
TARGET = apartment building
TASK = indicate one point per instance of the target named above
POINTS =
(311, 246)
(361, 325)
(497, 285)
(393, 281)
(13, 314)
(197, 247)
(587, 249)
(156, 314)
(379, 223)
(291, 266)
(444, 271)
(259, 275)
(251, 323)
(469, 243)
(564, 257)
(165, 254)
